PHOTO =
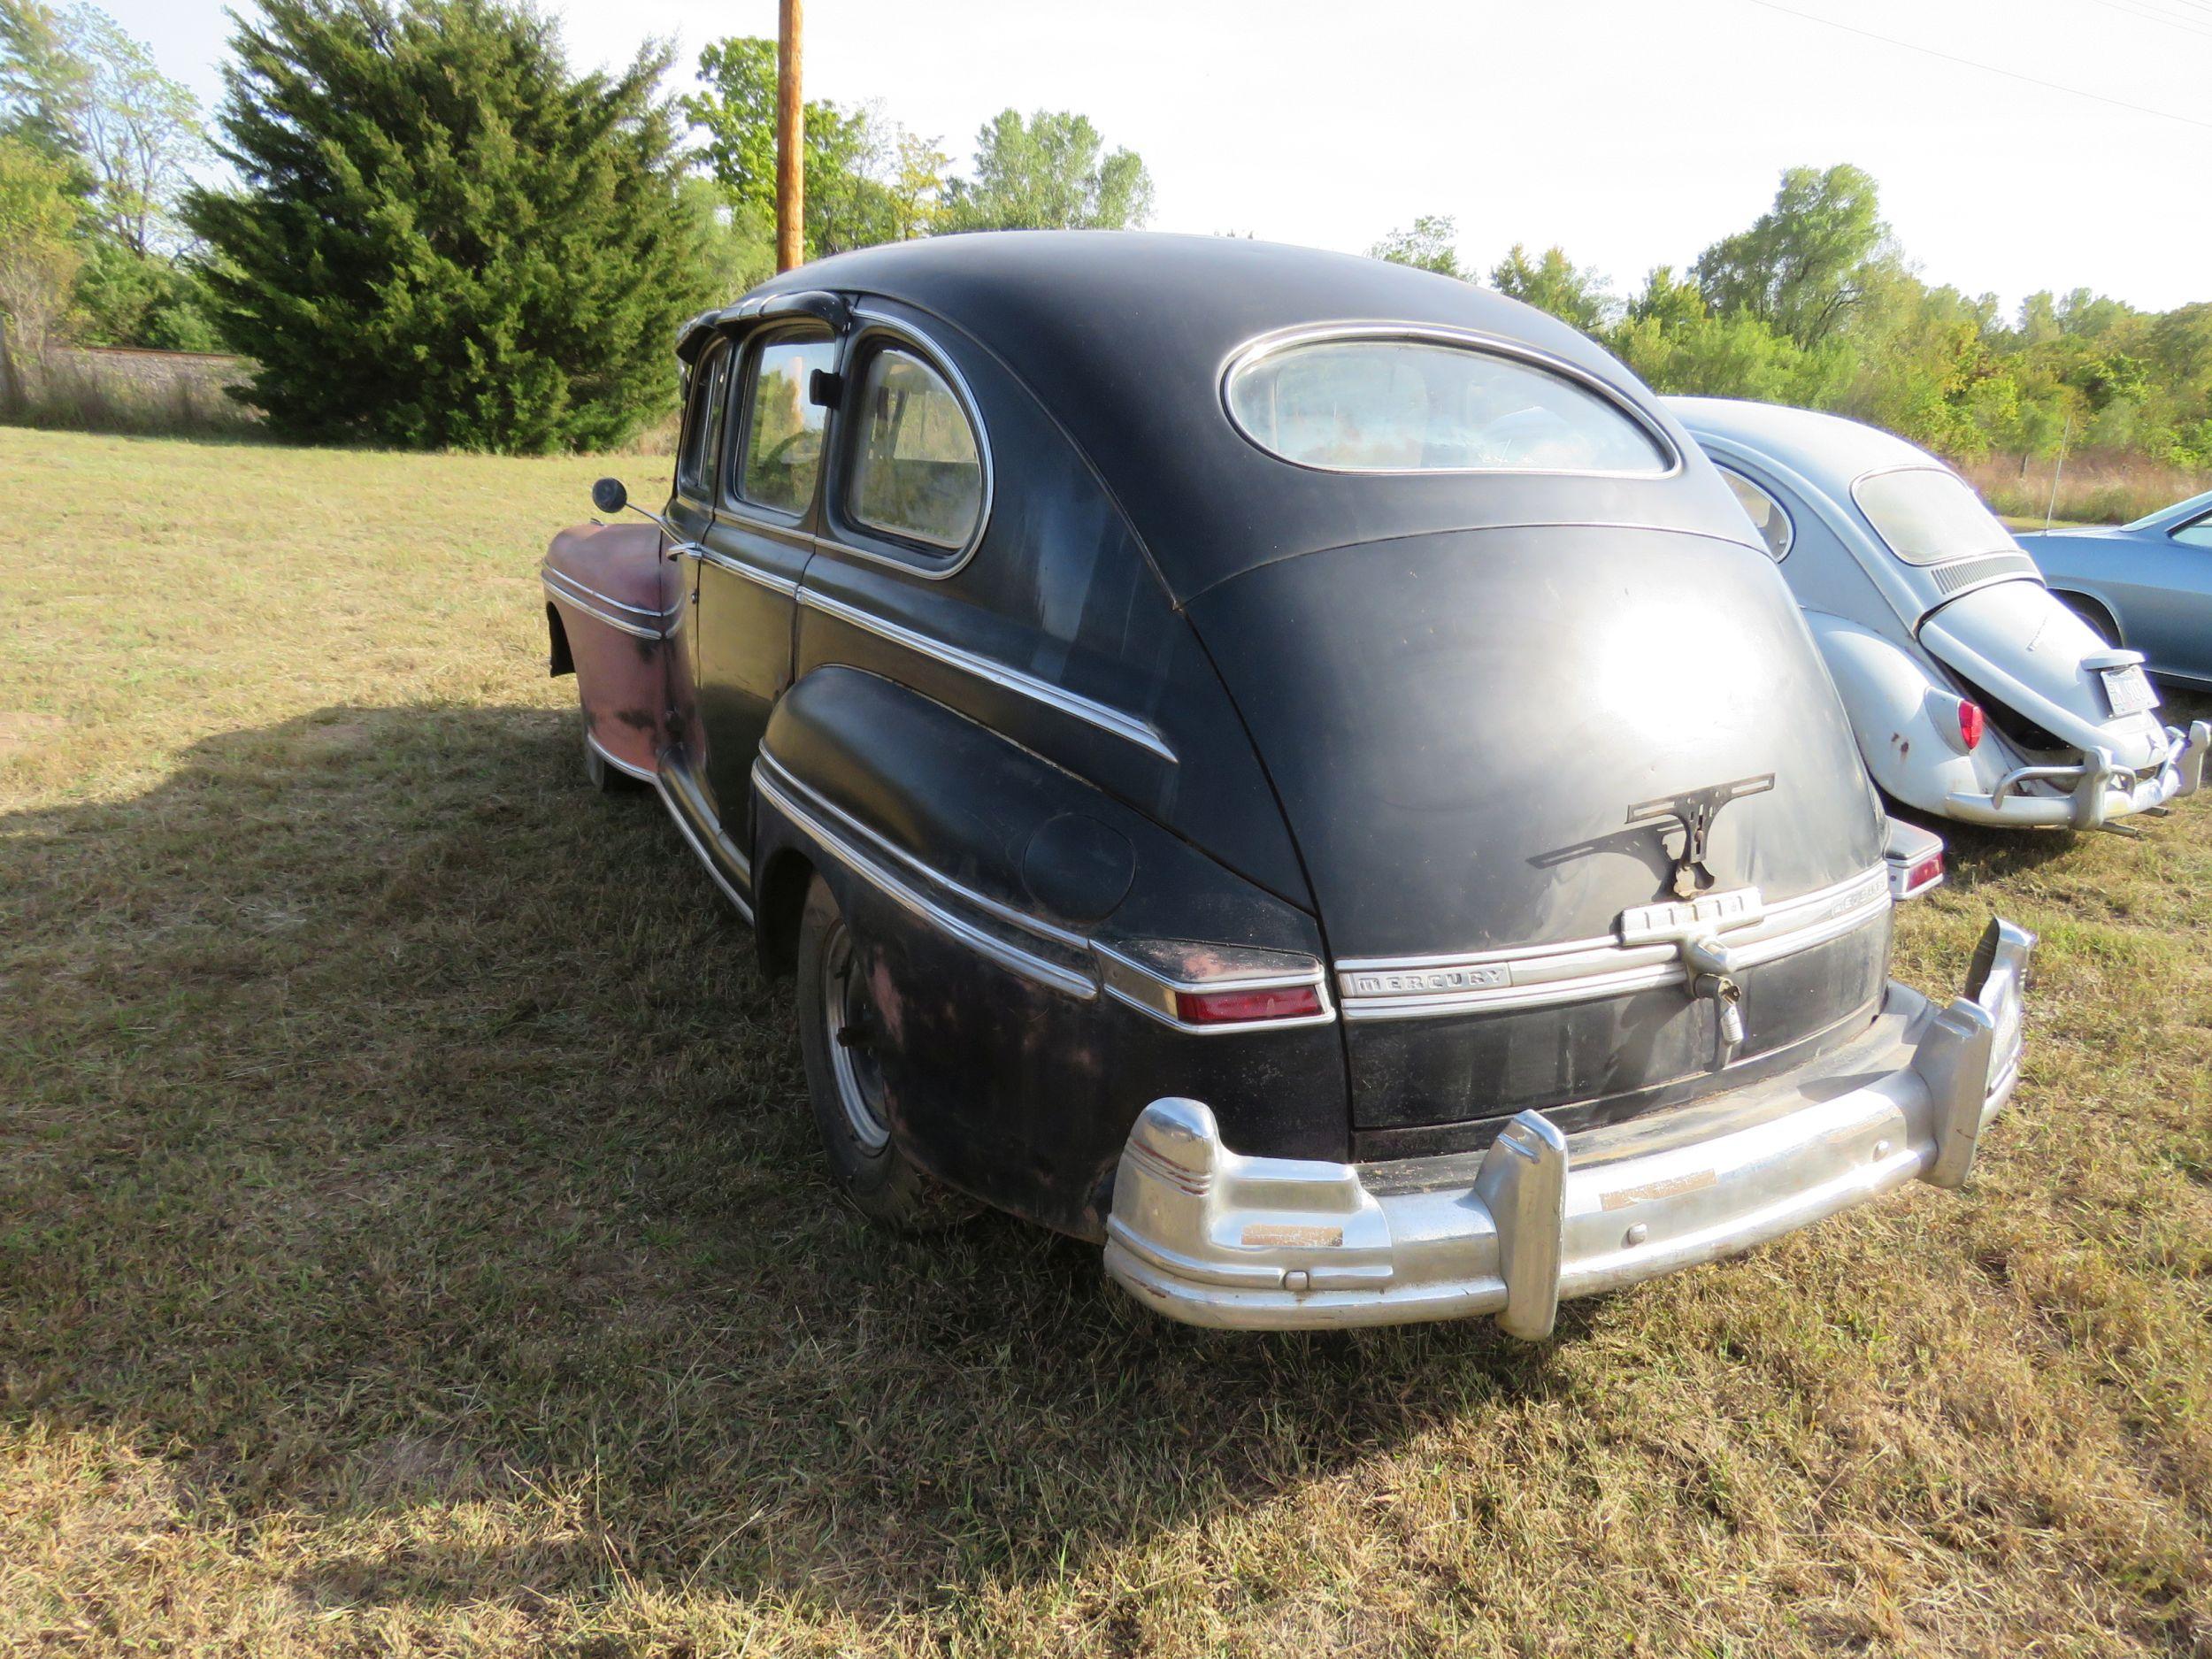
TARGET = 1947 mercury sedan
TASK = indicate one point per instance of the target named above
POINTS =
(1292, 768)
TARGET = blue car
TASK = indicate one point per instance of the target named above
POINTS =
(2147, 585)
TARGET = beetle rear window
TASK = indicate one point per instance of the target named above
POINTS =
(1928, 517)
(1411, 405)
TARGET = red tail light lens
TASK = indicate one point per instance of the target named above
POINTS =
(1233, 1007)
(1926, 872)
(1973, 723)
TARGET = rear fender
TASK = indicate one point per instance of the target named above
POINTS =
(1898, 713)
(612, 606)
(980, 882)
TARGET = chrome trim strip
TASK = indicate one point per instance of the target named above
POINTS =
(683, 826)
(786, 586)
(1252, 351)
(548, 574)
(1011, 957)
(782, 776)
(1121, 725)
(608, 618)
(1580, 970)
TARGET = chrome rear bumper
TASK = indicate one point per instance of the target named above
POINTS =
(2096, 791)
(1207, 1236)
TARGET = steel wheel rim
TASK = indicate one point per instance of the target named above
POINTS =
(844, 1007)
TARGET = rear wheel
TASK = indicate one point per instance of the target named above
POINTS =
(842, 1033)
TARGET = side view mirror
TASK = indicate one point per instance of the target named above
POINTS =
(609, 496)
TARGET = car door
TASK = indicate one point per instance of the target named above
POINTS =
(752, 554)
(2164, 583)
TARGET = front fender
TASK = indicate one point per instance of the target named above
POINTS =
(985, 887)
(1896, 707)
(612, 608)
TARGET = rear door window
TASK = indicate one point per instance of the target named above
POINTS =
(783, 424)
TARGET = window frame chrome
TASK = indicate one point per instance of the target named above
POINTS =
(1264, 346)
(1789, 520)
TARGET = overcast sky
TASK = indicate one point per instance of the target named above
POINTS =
(1631, 134)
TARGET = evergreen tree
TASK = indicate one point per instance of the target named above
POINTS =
(443, 238)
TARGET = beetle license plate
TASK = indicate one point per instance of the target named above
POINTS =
(2129, 690)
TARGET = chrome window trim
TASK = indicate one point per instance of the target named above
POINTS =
(1007, 678)
(561, 596)
(1255, 350)
(1582, 970)
(917, 341)
(1010, 957)
(683, 826)
(728, 487)
(1789, 542)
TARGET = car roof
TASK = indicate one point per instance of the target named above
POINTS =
(1124, 337)
(1824, 449)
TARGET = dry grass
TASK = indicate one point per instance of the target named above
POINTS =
(411, 1238)
(2092, 488)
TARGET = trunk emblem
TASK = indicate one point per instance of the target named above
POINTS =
(1695, 810)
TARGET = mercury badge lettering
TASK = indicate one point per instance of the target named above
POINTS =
(979, 672)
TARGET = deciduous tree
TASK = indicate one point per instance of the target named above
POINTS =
(1051, 172)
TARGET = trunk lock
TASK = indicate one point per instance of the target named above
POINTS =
(1693, 927)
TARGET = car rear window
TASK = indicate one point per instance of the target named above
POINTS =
(1929, 515)
(1417, 405)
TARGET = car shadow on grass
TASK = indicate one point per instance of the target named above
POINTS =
(406, 1134)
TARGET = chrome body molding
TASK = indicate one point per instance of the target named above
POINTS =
(1127, 726)
(1146, 988)
(683, 827)
(773, 580)
(1205, 1235)
(1649, 948)
(1043, 952)
(872, 866)
(636, 620)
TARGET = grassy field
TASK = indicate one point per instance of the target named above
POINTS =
(412, 1240)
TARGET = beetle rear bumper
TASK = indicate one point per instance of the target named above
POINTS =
(1212, 1238)
(2096, 791)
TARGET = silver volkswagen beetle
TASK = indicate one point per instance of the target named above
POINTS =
(1974, 693)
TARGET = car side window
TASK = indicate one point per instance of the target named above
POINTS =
(1767, 515)
(2196, 532)
(917, 469)
(783, 424)
(702, 422)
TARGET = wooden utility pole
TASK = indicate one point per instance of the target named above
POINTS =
(790, 141)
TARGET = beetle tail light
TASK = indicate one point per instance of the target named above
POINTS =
(1233, 1007)
(1973, 723)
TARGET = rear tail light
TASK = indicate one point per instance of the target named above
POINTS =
(1925, 874)
(1233, 1007)
(1973, 723)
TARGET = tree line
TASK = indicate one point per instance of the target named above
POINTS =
(425, 229)
(1816, 306)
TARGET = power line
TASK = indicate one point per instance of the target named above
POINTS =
(1975, 63)
(2186, 26)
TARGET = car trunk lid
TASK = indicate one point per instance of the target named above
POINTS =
(1486, 743)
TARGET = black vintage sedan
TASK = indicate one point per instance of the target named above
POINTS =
(1290, 768)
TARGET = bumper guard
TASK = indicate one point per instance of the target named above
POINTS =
(2096, 791)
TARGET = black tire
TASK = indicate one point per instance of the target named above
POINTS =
(605, 779)
(846, 1090)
